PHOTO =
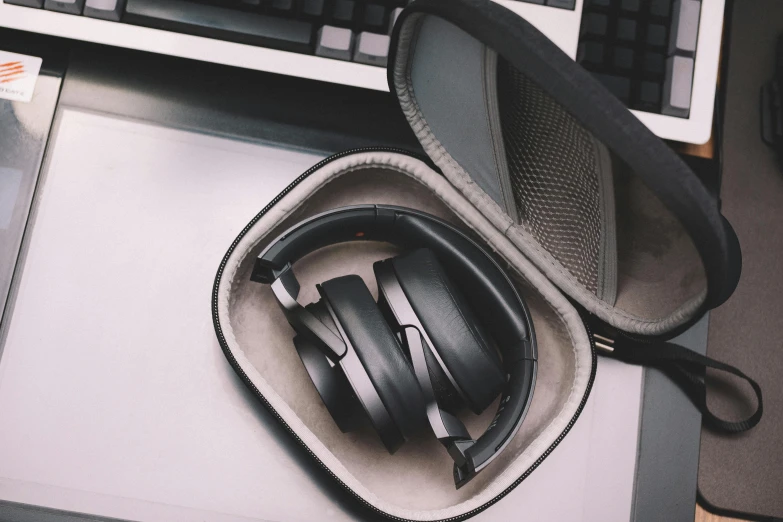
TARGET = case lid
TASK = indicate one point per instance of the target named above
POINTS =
(601, 205)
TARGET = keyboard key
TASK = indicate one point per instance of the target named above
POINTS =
(617, 85)
(626, 29)
(685, 27)
(372, 49)
(630, 5)
(374, 17)
(677, 86)
(223, 24)
(563, 4)
(282, 6)
(594, 24)
(314, 8)
(660, 7)
(106, 9)
(656, 35)
(623, 57)
(26, 3)
(654, 63)
(65, 6)
(343, 11)
(650, 93)
(334, 42)
(590, 53)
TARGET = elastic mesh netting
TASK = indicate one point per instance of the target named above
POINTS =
(553, 171)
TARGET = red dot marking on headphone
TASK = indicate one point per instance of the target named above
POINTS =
(360, 234)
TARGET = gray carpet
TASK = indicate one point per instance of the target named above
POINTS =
(744, 473)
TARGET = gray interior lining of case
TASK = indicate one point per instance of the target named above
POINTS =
(612, 246)
(416, 482)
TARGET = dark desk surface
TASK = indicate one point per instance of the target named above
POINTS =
(745, 473)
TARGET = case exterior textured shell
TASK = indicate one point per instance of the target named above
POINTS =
(536, 160)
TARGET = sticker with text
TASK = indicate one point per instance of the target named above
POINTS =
(18, 74)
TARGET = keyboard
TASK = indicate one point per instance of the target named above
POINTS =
(643, 51)
(660, 57)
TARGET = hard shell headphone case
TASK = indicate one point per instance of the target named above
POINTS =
(597, 221)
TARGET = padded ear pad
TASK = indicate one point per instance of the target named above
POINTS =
(453, 328)
(331, 384)
(379, 351)
(329, 380)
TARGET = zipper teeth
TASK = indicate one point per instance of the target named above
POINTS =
(267, 404)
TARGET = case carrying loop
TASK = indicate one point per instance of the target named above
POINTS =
(687, 368)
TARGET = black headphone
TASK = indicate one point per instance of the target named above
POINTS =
(421, 348)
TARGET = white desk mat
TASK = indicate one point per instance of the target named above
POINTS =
(115, 398)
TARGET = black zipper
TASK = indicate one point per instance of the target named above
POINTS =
(268, 406)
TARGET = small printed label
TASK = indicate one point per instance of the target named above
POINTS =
(18, 74)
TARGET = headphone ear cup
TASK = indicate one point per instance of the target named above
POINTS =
(379, 351)
(464, 347)
(447, 395)
(332, 385)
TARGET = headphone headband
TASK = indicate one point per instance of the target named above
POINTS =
(356, 223)
(501, 308)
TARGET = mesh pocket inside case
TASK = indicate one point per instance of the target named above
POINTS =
(556, 171)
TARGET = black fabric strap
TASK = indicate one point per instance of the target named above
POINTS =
(687, 368)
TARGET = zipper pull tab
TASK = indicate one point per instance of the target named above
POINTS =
(603, 344)
(632, 351)
(603, 339)
(612, 343)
